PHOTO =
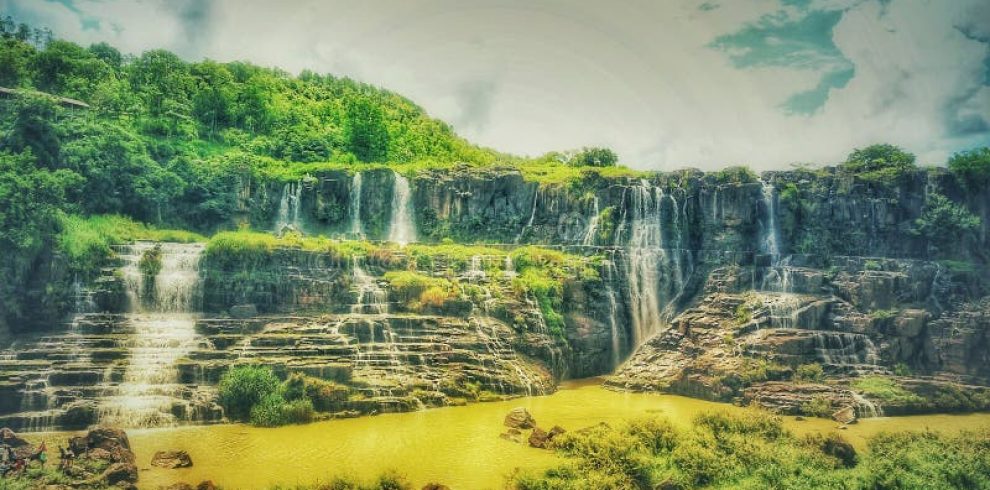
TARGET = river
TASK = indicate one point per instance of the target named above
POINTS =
(456, 446)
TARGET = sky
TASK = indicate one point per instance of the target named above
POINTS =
(666, 83)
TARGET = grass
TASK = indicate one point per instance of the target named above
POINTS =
(86, 241)
(752, 450)
(885, 389)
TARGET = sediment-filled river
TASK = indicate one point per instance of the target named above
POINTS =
(457, 446)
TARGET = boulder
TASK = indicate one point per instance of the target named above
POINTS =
(9, 438)
(846, 415)
(541, 439)
(206, 485)
(520, 418)
(171, 459)
(910, 323)
(123, 475)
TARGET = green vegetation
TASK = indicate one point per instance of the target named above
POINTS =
(753, 450)
(885, 389)
(243, 388)
(945, 224)
(389, 480)
(972, 167)
(809, 373)
(880, 164)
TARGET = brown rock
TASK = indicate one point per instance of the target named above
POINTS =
(520, 418)
(171, 459)
(119, 474)
(9, 438)
(845, 415)
(539, 438)
(542, 439)
(206, 485)
(178, 486)
(113, 440)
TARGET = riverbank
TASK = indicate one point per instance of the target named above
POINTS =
(456, 446)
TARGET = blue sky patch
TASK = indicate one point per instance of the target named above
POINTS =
(800, 41)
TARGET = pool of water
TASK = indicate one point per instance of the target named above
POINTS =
(457, 446)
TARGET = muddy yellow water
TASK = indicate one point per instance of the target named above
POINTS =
(458, 446)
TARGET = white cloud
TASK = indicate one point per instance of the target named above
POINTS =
(638, 76)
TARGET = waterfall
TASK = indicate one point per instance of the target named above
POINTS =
(289, 208)
(771, 231)
(370, 296)
(866, 408)
(645, 255)
(589, 234)
(356, 229)
(532, 215)
(843, 348)
(163, 326)
(611, 274)
(402, 229)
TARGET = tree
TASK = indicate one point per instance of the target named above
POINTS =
(594, 157)
(972, 166)
(944, 223)
(34, 128)
(878, 158)
(365, 130)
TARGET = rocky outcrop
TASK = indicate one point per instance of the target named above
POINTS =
(171, 459)
(519, 418)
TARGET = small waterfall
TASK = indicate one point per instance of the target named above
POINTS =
(866, 408)
(403, 228)
(843, 348)
(778, 279)
(370, 296)
(771, 231)
(611, 275)
(163, 332)
(356, 228)
(475, 272)
(645, 255)
(289, 208)
(589, 234)
(532, 215)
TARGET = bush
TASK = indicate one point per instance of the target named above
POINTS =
(944, 223)
(809, 373)
(269, 411)
(817, 406)
(882, 163)
(298, 411)
(885, 389)
(243, 387)
(973, 167)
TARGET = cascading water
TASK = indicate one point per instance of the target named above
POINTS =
(645, 257)
(371, 298)
(532, 215)
(356, 228)
(403, 228)
(289, 208)
(771, 231)
(163, 325)
(589, 233)
(611, 274)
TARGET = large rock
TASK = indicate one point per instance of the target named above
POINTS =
(171, 459)
(845, 415)
(103, 443)
(9, 438)
(541, 439)
(520, 418)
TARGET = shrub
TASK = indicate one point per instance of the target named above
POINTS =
(809, 373)
(973, 167)
(298, 411)
(242, 387)
(269, 411)
(150, 263)
(944, 223)
(882, 163)
(817, 406)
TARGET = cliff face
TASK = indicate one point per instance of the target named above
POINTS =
(801, 291)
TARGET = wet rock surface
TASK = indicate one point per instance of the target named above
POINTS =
(171, 459)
